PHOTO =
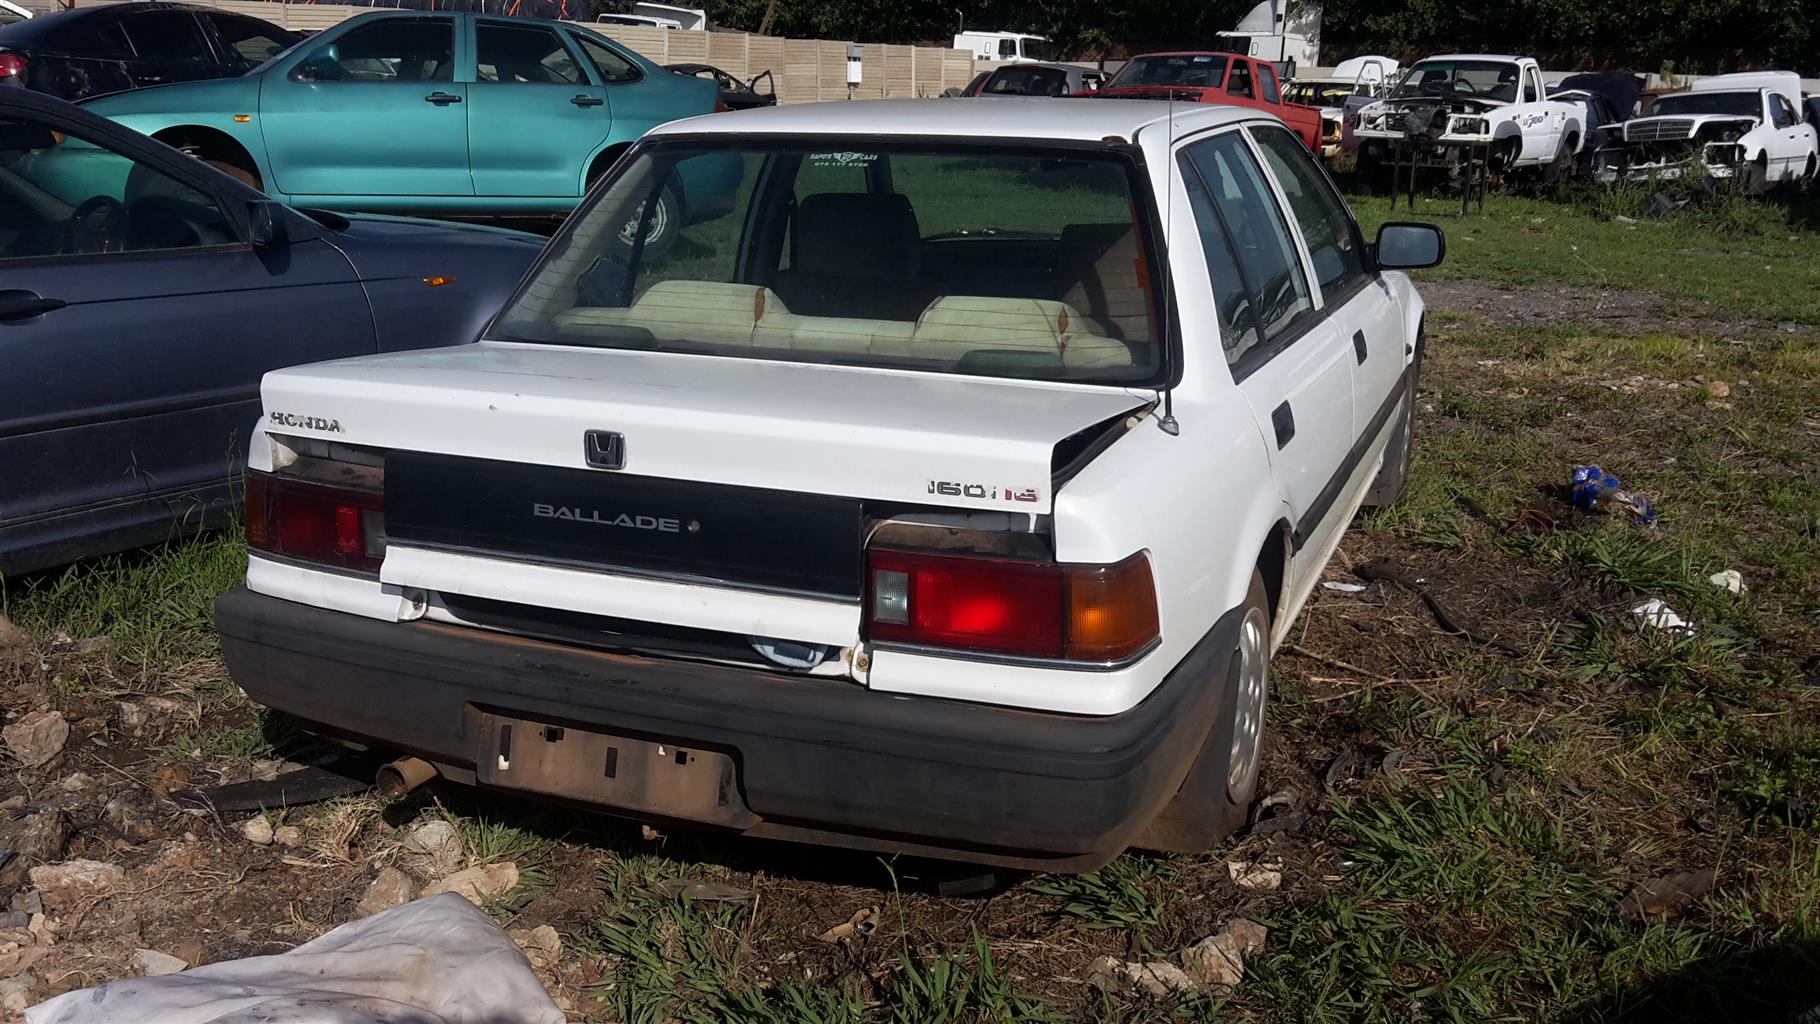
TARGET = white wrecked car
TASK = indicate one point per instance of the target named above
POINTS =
(1460, 107)
(1744, 129)
(924, 502)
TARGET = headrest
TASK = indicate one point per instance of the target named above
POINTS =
(857, 235)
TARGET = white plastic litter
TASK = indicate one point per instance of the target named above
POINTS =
(439, 960)
(1343, 587)
(1730, 579)
(1654, 613)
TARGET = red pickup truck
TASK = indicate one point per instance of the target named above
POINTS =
(1206, 77)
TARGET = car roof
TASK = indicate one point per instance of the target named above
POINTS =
(1012, 117)
(1501, 57)
(56, 25)
(1027, 64)
(1185, 53)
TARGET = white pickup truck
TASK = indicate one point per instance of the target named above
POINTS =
(925, 502)
(1449, 108)
(1744, 129)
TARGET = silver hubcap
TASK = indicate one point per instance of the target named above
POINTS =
(1248, 724)
(660, 222)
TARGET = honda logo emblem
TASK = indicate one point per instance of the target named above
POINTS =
(604, 449)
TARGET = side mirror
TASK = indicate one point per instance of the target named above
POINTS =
(1405, 246)
(265, 225)
(322, 63)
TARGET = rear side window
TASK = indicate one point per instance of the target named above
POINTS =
(251, 41)
(522, 54)
(1255, 229)
(1267, 84)
(1239, 332)
(1333, 240)
(166, 35)
(612, 66)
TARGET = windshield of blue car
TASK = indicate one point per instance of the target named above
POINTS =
(990, 260)
(1740, 104)
(1193, 70)
(1482, 79)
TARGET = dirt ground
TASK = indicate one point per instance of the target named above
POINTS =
(194, 886)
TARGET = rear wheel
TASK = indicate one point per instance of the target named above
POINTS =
(1216, 795)
(665, 224)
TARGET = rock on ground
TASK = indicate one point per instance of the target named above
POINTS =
(40, 839)
(477, 884)
(391, 888)
(63, 884)
(541, 945)
(438, 843)
(151, 964)
(1218, 961)
(16, 993)
(37, 737)
(1110, 974)
(257, 830)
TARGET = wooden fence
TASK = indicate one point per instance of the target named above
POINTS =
(802, 70)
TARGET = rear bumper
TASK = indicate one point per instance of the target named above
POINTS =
(817, 760)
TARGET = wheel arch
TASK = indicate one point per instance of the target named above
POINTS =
(206, 143)
(602, 162)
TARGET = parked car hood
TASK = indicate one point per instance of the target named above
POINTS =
(382, 247)
(238, 95)
(890, 435)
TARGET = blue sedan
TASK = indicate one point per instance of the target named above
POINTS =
(142, 297)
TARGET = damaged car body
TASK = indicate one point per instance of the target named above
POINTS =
(922, 503)
(1450, 111)
(1742, 130)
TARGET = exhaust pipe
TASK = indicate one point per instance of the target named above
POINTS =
(403, 775)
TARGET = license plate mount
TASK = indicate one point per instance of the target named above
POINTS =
(653, 777)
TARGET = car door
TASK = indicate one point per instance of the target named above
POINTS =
(535, 115)
(135, 324)
(1542, 123)
(169, 47)
(372, 110)
(1356, 300)
(1793, 141)
(1289, 360)
(635, 109)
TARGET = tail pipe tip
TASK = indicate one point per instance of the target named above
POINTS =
(403, 775)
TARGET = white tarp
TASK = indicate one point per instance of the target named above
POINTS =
(435, 961)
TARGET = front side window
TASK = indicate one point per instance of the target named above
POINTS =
(1267, 84)
(522, 54)
(392, 50)
(1240, 82)
(994, 261)
(166, 35)
(1230, 175)
(612, 66)
(1007, 49)
(1783, 113)
(1333, 240)
(64, 195)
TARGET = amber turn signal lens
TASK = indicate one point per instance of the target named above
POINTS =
(1111, 610)
(439, 280)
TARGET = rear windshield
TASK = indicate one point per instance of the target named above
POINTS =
(990, 261)
(1026, 80)
(1743, 104)
(1195, 70)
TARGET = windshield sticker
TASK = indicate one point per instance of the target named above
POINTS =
(842, 159)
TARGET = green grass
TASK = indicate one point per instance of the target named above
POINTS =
(1750, 258)
(154, 604)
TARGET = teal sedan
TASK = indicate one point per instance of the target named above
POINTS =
(449, 113)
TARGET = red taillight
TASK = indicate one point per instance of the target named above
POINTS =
(1005, 606)
(11, 65)
(314, 522)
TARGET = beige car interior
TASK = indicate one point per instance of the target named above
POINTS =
(855, 273)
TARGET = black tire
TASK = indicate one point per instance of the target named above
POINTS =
(1387, 487)
(1560, 170)
(666, 227)
(1216, 795)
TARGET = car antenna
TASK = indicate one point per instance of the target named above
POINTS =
(1167, 420)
